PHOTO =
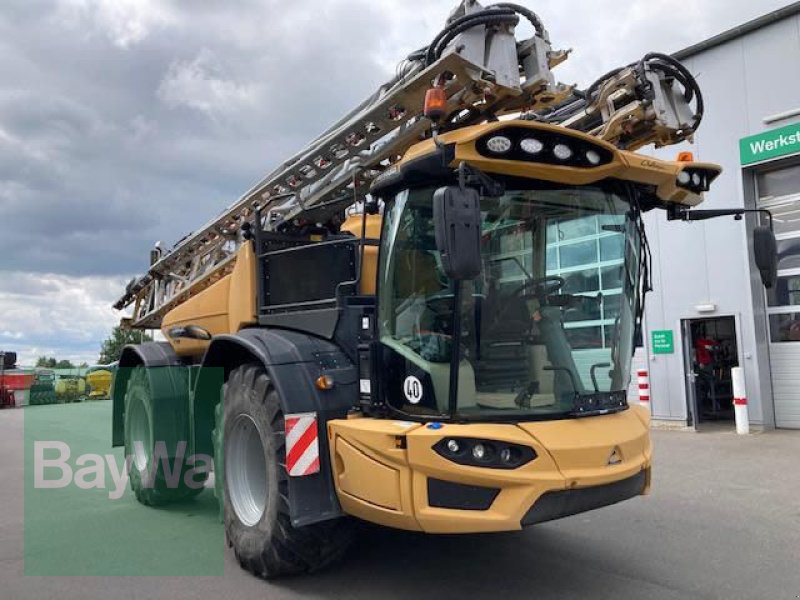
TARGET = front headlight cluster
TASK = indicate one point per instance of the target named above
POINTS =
(492, 454)
(543, 146)
(695, 179)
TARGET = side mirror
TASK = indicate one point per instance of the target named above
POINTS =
(457, 221)
(765, 251)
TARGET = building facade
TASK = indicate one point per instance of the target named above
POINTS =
(709, 311)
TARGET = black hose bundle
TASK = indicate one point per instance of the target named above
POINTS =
(645, 259)
(654, 61)
(531, 16)
(672, 66)
(669, 66)
(491, 15)
(504, 13)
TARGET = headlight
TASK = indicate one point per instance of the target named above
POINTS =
(479, 452)
(544, 146)
(696, 179)
(498, 144)
(562, 152)
(491, 454)
(531, 146)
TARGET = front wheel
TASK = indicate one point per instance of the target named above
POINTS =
(158, 474)
(250, 458)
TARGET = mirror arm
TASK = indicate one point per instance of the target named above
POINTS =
(681, 213)
(469, 175)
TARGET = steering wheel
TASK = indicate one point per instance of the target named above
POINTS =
(441, 303)
(431, 345)
(540, 287)
(535, 287)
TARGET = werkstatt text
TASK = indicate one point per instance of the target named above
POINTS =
(770, 144)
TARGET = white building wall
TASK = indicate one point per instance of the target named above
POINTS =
(709, 262)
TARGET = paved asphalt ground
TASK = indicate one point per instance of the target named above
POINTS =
(723, 521)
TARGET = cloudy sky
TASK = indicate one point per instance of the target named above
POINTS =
(123, 122)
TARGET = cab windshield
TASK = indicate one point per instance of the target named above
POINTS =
(548, 322)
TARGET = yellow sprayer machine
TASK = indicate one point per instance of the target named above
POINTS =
(426, 318)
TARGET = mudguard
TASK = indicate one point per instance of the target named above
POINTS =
(293, 362)
(169, 386)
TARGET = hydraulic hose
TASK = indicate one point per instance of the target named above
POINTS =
(531, 16)
(488, 16)
(666, 64)
(688, 81)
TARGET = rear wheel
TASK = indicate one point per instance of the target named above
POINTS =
(251, 474)
(150, 482)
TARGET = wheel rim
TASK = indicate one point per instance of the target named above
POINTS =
(246, 470)
(140, 433)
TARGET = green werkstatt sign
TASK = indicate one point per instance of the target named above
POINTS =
(770, 144)
(662, 342)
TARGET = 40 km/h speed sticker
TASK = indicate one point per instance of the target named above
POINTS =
(412, 388)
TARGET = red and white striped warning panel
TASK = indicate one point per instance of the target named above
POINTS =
(302, 444)
(644, 387)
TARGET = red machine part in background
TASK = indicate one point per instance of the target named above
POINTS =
(13, 382)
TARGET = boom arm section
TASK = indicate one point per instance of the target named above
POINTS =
(647, 102)
(485, 72)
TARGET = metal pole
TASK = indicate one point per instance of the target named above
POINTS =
(740, 402)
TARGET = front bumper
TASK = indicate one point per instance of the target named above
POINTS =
(565, 503)
(386, 472)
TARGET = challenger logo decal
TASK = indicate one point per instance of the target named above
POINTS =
(615, 458)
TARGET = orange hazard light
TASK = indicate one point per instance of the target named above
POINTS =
(685, 157)
(435, 103)
(324, 382)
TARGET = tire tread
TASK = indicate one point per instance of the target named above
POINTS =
(289, 550)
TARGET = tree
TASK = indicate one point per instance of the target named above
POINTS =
(45, 362)
(112, 347)
(50, 362)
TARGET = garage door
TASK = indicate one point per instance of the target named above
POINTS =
(786, 384)
(779, 191)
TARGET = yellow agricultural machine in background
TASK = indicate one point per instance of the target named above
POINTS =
(99, 379)
(424, 363)
(70, 388)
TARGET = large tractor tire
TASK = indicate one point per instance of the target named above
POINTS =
(149, 480)
(250, 457)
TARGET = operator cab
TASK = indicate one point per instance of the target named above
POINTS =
(535, 330)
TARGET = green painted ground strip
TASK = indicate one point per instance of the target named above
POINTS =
(72, 531)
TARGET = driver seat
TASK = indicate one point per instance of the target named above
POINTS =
(503, 360)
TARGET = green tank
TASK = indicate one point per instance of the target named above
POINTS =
(43, 390)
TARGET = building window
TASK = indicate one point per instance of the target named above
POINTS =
(779, 182)
(784, 327)
(779, 191)
(588, 254)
